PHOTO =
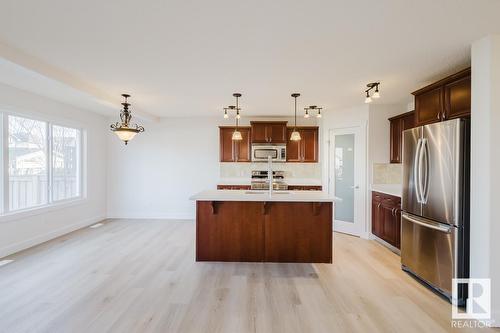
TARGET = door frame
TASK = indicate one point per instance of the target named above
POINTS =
(359, 227)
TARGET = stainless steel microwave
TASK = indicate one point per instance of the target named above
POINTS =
(260, 153)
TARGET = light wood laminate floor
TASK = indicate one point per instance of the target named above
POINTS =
(140, 276)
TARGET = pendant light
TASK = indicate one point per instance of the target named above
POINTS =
(237, 134)
(123, 129)
(295, 134)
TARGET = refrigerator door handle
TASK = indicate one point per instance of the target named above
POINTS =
(416, 171)
(425, 180)
(434, 226)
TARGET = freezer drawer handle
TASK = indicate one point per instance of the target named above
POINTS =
(427, 225)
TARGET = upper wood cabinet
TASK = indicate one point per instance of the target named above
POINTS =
(430, 106)
(457, 98)
(305, 150)
(398, 125)
(268, 131)
(446, 99)
(234, 151)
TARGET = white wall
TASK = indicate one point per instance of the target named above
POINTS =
(485, 166)
(24, 230)
(159, 170)
(154, 176)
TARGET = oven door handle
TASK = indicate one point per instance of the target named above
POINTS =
(438, 227)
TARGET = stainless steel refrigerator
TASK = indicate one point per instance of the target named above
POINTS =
(435, 204)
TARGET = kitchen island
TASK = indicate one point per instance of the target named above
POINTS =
(253, 226)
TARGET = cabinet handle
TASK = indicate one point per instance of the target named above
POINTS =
(444, 115)
(439, 116)
(378, 206)
(392, 212)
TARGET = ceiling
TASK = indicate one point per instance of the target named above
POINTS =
(186, 58)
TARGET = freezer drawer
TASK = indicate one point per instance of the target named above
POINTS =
(429, 250)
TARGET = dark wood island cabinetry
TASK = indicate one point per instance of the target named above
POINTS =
(261, 230)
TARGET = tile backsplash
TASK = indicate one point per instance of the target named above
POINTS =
(387, 173)
(292, 170)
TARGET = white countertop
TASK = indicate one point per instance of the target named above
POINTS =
(284, 196)
(392, 189)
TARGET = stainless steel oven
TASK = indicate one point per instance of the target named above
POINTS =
(260, 153)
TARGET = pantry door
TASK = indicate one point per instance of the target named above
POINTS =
(347, 158)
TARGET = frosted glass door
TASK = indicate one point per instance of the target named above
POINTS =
(344, 177)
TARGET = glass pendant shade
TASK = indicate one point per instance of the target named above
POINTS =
(125, 134)
(368, 99)
(295, 135)
(306, 115)
(237, 136)
(376, 94)
(318, 115)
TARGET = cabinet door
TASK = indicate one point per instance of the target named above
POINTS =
(276, 133)
(390, 227)
(429, 106)
(396, 132)
(223, 226)
(458, 98)
(398, 226)
(377, 221)
(298, 232)
(408, 121)
(226, 152)
(293, 148)
(259, 132)
(243, 148)
(309, 144)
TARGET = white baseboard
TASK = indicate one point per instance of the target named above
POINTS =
(8, 250)
(153, 216)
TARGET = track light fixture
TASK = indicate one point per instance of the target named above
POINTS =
(375, 95)
(313, 108)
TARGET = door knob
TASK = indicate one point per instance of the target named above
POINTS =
(355, 187)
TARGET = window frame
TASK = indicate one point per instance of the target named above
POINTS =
(4, 167)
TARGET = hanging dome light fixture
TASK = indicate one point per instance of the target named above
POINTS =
(123, 129)
(295, 134)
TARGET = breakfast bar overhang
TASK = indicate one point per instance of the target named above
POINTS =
(255, 226)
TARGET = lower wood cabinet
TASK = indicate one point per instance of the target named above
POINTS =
(233, 187)
(264, 231)
(305, 187)
(386, 218)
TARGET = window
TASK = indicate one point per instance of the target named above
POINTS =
(28, 174)
(65, 163)
(44, 163)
